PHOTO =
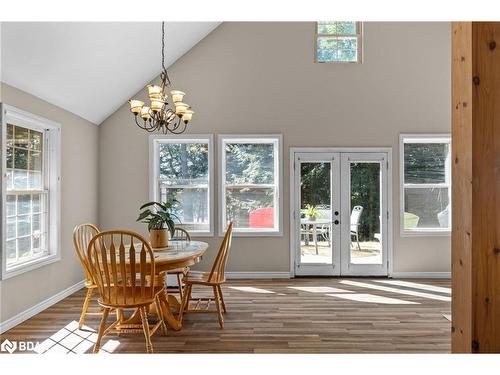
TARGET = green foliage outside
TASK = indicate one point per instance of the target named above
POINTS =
(185, 165)
(365, 192)
(248, 164)
(336, 27)
(337, 48)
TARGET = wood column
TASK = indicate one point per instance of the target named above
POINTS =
(476, 187)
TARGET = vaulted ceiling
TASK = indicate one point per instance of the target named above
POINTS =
(90, 68)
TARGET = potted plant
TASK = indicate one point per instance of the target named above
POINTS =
(160, 220)
(311, 212)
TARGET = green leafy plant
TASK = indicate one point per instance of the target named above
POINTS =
(311, 211)
(158, 215)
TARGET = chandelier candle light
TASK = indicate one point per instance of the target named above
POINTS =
(159, 116)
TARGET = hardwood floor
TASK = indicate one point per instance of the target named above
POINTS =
(304, 315)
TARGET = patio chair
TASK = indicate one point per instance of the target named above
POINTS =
(355, 216)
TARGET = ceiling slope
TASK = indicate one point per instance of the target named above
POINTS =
(91, 68)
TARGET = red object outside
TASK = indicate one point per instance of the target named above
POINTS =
(262, 218)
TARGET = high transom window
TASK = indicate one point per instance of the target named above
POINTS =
(339, 41)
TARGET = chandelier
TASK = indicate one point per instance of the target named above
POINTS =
(159, 115)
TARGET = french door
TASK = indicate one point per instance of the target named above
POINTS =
(340, 213)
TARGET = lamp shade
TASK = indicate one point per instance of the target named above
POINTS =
(177, 96)
(145, 113)
(181, 108)
(157, 104)
(135, 105)
(187, 116)
(155, 91)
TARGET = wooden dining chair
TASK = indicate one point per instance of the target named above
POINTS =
(82, 235)
(180, 234)
(215, 278)
(122, 264)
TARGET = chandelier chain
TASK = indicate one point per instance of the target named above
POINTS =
(164, 72)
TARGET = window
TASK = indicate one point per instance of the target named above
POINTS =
(250, 183)
(182, 170)
(426, 184)
(30, 191)
(339, 41)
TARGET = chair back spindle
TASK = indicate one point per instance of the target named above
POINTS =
(123, 266)
(180, 234)
(82, 235)
(217, 274)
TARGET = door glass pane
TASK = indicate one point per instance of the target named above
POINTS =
(315, 212)
(365, 227)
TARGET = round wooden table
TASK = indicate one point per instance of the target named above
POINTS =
(178, 254)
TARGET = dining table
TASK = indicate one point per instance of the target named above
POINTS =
(177, 255)
(307, 222)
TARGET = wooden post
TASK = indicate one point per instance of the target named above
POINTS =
(476, 187)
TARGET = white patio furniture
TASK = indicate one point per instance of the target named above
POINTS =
(355, 216)
(310, 227)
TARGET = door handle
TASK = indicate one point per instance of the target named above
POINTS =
(336, 222)
(336, 213)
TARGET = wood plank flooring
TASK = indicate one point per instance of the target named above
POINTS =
(303, 315)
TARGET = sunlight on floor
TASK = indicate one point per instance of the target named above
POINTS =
(371, 298)
(70, 339)
(414, 285)
(251, 289)
(319, 289)
(397, 290)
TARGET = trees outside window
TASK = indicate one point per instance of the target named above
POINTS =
(182, 173)
(250, 175)
(338, 41)
(426, 183)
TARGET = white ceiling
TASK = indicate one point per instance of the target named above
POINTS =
(91, 68)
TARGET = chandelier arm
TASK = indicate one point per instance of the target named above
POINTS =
(144, 125)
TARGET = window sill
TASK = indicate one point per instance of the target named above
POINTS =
(29, 266)
(426, 233)
(200, 234)
(237, 233)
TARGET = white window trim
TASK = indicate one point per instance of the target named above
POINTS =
(19, 117)
(222, 138)
(420, 138)
(359, 35)
(153, 168)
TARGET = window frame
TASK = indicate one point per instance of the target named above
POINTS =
(52, 170)
(422, 138)
(278, 165)
(156, 139)
(359, 36)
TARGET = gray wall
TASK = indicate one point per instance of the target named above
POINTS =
(78, 204)
(260, 78)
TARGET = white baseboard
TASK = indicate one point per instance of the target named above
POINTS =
(32, 311)
(257, 275)
(421, 275)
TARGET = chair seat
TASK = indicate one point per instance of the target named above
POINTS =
(117, 294)
(199, 277)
